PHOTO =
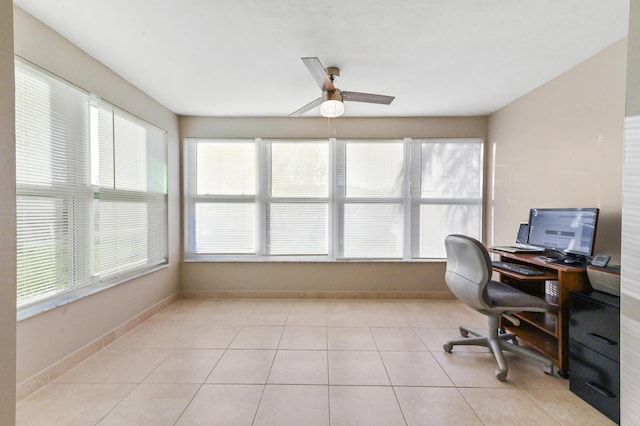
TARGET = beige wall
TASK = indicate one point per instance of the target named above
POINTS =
(7, 220)
(323, 279)
(44, 339)
(561, 146)
(344, 127)
(315, 279)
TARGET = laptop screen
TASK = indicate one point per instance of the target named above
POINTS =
(523, 234)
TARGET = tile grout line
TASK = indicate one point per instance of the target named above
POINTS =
(326, 333)
(395, 395)
(201, 385)
(275, 353)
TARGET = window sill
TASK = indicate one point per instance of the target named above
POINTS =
(301, 259)
(54, 302)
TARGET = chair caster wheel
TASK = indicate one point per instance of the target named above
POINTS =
(501, 375)
(448, 347)
(548, 370)
(464, 333)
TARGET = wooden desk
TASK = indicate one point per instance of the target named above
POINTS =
(547, 332)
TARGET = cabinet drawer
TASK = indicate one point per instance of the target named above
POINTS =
(596, 379)
(596, 325)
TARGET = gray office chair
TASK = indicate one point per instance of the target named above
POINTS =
(468, 276)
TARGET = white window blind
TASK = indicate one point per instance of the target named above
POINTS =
(131, 223)
(296, 211)
(446, 193)
(222, 184)
(53, 198)
(336, 199)
(87, 209)
(370, 199)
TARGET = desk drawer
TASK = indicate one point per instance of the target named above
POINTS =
(596, 325)
(596, 379)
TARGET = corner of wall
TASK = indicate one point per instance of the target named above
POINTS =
(7, 218)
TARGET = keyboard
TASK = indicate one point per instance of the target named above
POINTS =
(520, 269)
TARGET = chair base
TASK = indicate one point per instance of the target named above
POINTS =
(497, 342)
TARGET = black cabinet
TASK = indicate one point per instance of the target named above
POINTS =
(594, 350)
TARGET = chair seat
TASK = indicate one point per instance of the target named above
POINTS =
(503, 296)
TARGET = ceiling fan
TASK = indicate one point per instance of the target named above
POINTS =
(331, 101)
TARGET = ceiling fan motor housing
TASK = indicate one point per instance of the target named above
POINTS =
(332, 95)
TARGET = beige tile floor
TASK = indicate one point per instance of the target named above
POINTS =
(303, 362)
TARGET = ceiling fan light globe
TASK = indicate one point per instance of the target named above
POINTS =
(331, 108)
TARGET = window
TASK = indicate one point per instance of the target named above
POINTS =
(130, 223)
(297, 198)
(330, 199)
(222, 196)
(370, 196)
(90, 189)
(446, 193)
(52, 191)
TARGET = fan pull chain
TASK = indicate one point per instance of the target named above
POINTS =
(329, 129)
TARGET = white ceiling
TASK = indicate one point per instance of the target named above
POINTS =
(242, 57)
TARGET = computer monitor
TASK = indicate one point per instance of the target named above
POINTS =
(566, 230)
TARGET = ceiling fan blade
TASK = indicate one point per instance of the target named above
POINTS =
(367, 97)
(314, 103)
(318, 72)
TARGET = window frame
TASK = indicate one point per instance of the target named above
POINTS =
(415, 190)
(153, 194)
(335, 202)
(266, 198)
(191, 197)
(342, 199)
(80, 223)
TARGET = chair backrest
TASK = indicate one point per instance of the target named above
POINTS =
(468, 270)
